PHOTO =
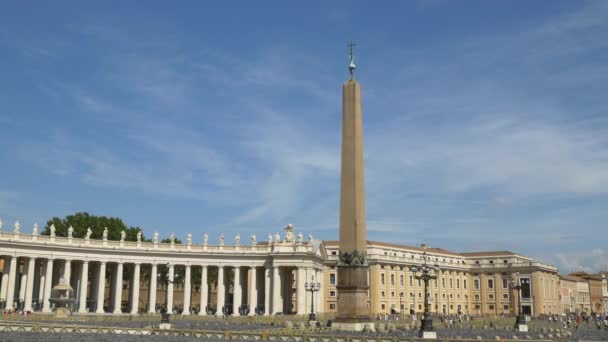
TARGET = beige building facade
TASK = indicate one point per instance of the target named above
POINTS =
(469, 283)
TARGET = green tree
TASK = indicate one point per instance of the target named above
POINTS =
(82, 221)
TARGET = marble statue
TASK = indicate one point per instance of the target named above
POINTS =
(172, 238)
(288, 233)
(253, 239)
(221, 239)
(300, 237)
(269, 238)
(309, 237)
(105, 233)
(1, 224)
(189, 238)
(139, 236)
(35, 231)
(17, 229)
(205, 239)
(123, 235)
(237, 239)
(88, 235)
(155, 237)
(52, 230)
(70, 232)
(277, 238)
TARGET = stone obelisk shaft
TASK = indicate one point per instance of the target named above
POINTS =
(352, 191)
(353, 312)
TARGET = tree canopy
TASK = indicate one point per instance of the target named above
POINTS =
(81, 221)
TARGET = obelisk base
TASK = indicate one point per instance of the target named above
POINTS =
(353, 312)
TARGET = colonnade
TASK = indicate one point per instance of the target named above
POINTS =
(267, 289)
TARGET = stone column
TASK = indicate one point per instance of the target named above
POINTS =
(29, 289)
(204, 292)
(84, 285)
(220, 290)
(118, 289)
(253, 291)
(41, 281)
(4, 283)
(301, 291)
(22, 283)
(12, 274)
(101, 287)
(170, 289)
(46, 304)
(152, 288)
(187, 291)
(267, 292)
(320, 296)
(238, 291)
(277, 305)
(67, 271)
(135, 289)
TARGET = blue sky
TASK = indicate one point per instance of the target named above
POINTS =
(486, 123)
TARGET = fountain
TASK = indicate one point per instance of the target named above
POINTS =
(62, 297)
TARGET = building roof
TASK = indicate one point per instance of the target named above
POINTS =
(585, 275)
(394, 245)
(572, 278)
(484, 254)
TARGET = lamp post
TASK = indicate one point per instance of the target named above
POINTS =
(164, 311)
(427, 272)
(312, 287)
(520, 322)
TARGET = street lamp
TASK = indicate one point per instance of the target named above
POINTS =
(516, 285)
(312, 287)
(427, 272)
(164, 311)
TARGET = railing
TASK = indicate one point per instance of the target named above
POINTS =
(141, 245)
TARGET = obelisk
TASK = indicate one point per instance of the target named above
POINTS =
(353, 312)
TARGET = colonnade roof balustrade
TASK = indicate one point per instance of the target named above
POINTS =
(287, 250)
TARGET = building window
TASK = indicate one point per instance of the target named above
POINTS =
(477, 262)
(383, 294)
(393, 279)
(435, 283)
(476, 297)
(411, 281)
(491, 306)
(443, 283)
(412, 295)
(464, 284)
(505, 296)
(476, 284)
(477, 307)
(505, 307)
(401, 279)
(382, 278)
(490, 283)
(491, 296)
(419, 294)
(451, 283)
(332, 279)
(334, 253)
(505, 283)
(332, 306)
(392, 294)
(457, 283)
(383, 307)
(332, 293)
(491, 261)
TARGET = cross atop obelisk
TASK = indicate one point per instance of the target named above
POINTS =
(351, 65)
(353, 312)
